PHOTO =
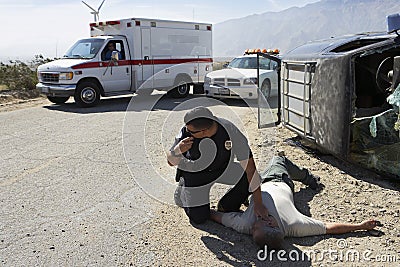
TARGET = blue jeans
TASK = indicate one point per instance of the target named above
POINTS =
(282, 169)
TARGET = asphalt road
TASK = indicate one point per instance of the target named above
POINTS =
(73, 181)
(67, 196)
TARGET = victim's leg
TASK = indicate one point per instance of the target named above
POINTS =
(281, 168)
(301, 174)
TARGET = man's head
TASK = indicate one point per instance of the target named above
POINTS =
(111, 46)
(267, 232)
(200, 122)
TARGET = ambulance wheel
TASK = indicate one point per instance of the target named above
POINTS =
(181, 91)
(87, 94)
(266, 88)
(58, 99)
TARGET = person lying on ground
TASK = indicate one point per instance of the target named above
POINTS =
(284, 219)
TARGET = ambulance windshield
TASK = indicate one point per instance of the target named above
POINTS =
(86, 48)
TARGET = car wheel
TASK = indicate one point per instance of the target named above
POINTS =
(266, 88)
(58, 99)
(87, 94)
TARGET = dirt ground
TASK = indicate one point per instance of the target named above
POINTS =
(351, 194)
(11, 100)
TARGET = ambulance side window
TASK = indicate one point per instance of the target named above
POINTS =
(120, 47)
(117, 45)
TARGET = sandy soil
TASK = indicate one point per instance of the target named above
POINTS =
(351, 195)
(12, 100)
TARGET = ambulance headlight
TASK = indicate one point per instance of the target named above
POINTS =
(66, 75)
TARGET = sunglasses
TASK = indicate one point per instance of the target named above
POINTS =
(196, 132)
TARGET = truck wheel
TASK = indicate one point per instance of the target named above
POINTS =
(87, 94)
(266, 88)
(58, 99)
(181, 91)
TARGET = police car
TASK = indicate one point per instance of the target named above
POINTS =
(239, 78)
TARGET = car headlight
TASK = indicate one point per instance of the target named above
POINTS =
(66, 75)
(207, 80)
(250, 81)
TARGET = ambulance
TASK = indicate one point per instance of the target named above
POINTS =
(147, 54)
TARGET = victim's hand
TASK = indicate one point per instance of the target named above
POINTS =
(261, 211)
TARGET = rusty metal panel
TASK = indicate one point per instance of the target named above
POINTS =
(331, 97)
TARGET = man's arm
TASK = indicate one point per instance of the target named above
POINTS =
(342, 228)
(173, 160)
(255, 181)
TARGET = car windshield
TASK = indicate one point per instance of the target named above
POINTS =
(86, 48)
(251, 63)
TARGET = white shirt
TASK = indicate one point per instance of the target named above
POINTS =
(278, 199)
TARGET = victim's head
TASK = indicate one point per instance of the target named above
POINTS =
(267, 232)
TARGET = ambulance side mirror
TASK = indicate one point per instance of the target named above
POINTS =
(115, 56)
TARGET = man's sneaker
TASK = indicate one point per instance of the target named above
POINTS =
(315, 183)
(178, 193)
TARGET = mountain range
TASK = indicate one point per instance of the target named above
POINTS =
(292, 27)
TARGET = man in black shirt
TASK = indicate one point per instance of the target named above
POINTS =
(204, 152)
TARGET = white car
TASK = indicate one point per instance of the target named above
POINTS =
(239, 79)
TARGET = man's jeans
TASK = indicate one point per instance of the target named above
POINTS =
(282, 169)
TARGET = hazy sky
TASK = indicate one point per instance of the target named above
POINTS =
(50, 27)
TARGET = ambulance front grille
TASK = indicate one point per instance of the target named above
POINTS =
(49, 77)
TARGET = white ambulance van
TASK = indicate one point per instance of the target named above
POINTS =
(147, 54)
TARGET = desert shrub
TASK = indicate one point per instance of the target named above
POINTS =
(18, 75)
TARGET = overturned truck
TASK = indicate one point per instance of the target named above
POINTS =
(343, 95)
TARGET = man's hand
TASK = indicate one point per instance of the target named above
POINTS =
(184, 145)
(260, 211)
(369, 224)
